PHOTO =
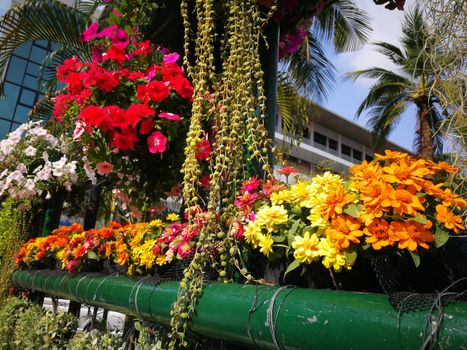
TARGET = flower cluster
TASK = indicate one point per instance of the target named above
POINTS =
(130, 95)
(33, 161)
(391, 202)
(128, 108)
(140, 247)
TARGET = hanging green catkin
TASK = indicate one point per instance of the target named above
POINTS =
(237, 116)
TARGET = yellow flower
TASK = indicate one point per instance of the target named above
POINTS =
(302, 194)
(252, 232)
(316, 220)
(161, 260)
(332, 256)
(271, 217)
(265, 242)
(306, 247)
(143, 255)
(156, 223)
(173, 217)
(281, 197)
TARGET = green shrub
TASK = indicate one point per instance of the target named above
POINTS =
(26, 336)
(95, 340)
(9, 313)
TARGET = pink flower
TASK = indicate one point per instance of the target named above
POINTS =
(79, 129)
(157, 142)
(107, 31)
(251, 184)
(170, 116)
(116, 13)
(90, 33)
(171, 58)
(104, 168)
(236, 230)
(287, 170)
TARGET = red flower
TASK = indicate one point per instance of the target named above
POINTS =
(157, 91)
(146, 126)
(204, 181)
(136, 112)
(125, 140)
(143, 49)
(69, 65)
(61, 105)
(115, 117)
(116, 53)
(287, 170)
(251, 184)
(157, 142)
(182, 86)
(92, 115)
(203, 149)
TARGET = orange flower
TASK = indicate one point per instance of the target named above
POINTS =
(406, 173)
(335, 202)
(373, 193)
(365, 173)
(345, 229)
(450, 198)
(411, 234)
(378, 232)
(392, 155)
(404, 201)
(445, 166)
(370, 213)
(447, 217)
(433, 190)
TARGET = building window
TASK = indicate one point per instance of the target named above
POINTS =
(368, 158)
(357, 155)
(333, 144)
(306, 133)
(346, 150)
(319, 138)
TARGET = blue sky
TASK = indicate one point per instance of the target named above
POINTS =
(347, 95)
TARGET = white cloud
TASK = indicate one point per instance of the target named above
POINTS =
(386, 27)
(4, 5)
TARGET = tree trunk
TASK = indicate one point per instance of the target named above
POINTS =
(426, 146)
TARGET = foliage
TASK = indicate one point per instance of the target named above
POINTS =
(24, 325)
(9, 313)
(412, 82)
(390, 203)
(18, 221)
(36, 162)
(95, 340)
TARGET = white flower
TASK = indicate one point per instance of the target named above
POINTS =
(30, 151)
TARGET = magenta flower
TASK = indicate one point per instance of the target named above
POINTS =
(90, 33)
(157, 142)
(171, 58)
(170, 116)
(107, 31)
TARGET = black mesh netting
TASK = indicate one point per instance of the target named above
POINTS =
(440, 279)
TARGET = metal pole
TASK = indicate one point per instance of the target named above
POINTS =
(263, 317)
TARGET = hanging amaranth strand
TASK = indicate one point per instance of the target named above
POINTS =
(235, 111)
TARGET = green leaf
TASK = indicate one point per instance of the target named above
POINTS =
(278, 239)
(351, 256)
(415, 258)
(92, 255)
(421, 219)
(441, 237)
(352, 210)
(292, 266)
(138, 326)
(294, 227)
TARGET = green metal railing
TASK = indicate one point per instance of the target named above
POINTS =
(262, 317)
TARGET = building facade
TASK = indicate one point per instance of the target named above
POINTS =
(331, 142)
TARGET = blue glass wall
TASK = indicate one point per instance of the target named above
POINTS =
(20, 84)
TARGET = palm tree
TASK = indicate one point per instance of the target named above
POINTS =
(308, 76)
(394, 91)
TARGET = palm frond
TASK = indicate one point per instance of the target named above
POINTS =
(394, 53)
(378, 73)
(385, 117)
(382, 91)
(309, 70)
(343, 23)
(41, 20)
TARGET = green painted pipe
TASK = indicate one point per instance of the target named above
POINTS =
(302, 318)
